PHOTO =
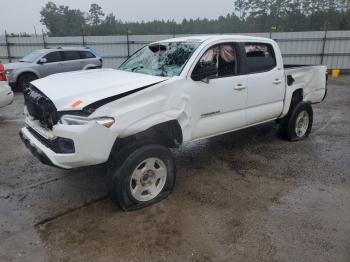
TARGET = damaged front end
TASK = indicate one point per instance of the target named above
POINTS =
(40, 107)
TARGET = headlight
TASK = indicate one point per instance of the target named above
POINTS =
(8, 72)
(80, 120)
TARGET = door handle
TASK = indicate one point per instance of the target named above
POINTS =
(240, 87)
(277, 81)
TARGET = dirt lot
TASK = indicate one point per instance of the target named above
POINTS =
(245, 196)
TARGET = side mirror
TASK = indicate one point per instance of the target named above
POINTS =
(204, 71)
(42, 61)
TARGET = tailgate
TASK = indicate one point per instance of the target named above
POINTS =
(312, 79)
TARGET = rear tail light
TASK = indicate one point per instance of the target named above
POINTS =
(101, 61)
(2, 73)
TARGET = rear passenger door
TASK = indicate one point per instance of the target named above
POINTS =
(266, 83)
(87, 58)
(53, 65)
(71, 60)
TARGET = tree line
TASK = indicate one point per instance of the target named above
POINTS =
(246, 16)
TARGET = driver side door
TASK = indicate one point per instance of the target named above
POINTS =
(219, 100)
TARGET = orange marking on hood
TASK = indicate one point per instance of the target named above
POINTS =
(76, 103)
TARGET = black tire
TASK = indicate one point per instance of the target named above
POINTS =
(24, 80)
(288, 123)
(121, 167)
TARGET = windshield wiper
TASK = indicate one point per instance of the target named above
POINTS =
(164, 72)
(136, 68)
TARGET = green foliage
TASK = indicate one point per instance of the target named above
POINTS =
(247, 16)
(95, 15)
(61, 20)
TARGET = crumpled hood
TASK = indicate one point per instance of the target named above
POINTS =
(75, 90)
(17, 65)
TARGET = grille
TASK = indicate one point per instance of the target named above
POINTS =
(40, 107)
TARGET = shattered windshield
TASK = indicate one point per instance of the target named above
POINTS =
(161, 59)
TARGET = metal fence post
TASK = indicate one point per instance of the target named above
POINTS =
(83, 37)
(323, 46)
(128, 42)
(44, 42)
(9, 58)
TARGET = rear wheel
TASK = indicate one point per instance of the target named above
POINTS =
(24, 80)
(141, 177)
(298, 123)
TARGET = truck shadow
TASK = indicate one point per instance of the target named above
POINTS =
(229, 147)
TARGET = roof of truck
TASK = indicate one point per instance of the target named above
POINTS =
(203, 38)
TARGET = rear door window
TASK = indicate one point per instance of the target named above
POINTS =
(260, 57)
(53, 57)
(86, 55)
(71, 55)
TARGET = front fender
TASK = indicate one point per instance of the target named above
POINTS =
(150, 107)
(152, 115)
(17, 72)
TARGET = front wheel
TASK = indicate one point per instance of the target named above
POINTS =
(141, 177)
(298, 123)
(24, 80)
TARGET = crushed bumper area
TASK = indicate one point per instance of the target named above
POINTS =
(35, 151)
(58, 145)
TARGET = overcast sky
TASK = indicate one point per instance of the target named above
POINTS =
(23, 15)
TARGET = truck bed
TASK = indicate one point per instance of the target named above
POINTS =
(312, 79)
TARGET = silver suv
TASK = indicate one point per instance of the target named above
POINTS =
(46, 62)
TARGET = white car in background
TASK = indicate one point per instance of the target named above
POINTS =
(6, 94)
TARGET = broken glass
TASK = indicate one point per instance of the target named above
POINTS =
(161, 59)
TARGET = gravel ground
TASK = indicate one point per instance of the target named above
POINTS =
(244, 196)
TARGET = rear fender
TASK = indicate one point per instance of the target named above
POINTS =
(291, 92)
(90, 66)
(311, 80)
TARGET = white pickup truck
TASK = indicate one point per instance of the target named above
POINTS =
(167, 94)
